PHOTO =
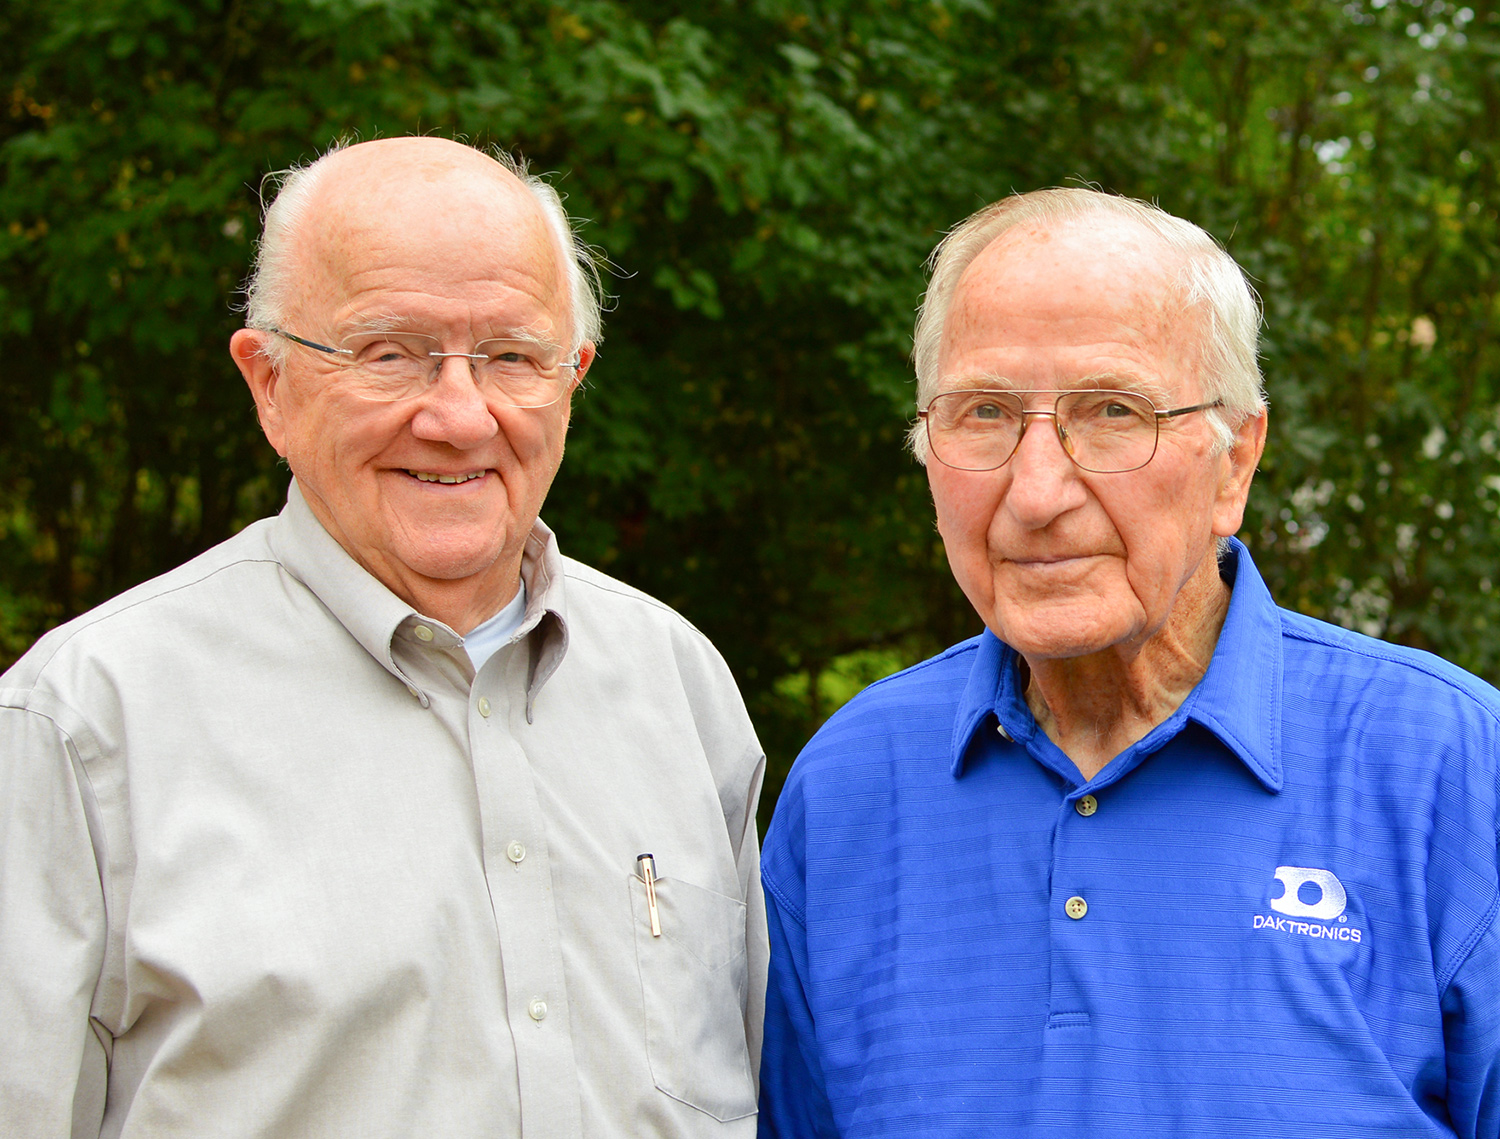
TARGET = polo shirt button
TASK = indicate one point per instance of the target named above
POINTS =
(1076, 907)
(423, 633)
(537, 1009)
(1086, 806)
(484, 706)
(516, 851)
(412, 688)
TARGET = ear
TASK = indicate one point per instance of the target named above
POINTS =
(1239, 462)
(586, 356)
(247, 346)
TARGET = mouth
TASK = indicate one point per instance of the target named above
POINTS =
(1048, 559)
(433, 476)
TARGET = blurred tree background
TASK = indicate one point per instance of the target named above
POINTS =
(768, 176)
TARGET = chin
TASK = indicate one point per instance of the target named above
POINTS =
(453, 564)
(1057, 638)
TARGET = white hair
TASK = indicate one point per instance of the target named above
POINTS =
(1209, 282)
(269, 287)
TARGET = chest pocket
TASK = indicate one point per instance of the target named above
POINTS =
(693, 983)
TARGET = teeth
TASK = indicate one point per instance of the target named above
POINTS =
(428, 476)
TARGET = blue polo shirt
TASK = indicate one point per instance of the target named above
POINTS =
(1274, 915)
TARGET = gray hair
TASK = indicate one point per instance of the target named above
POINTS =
(268, 289)
(1209, 281)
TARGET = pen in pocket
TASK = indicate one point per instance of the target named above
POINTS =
(647, 864)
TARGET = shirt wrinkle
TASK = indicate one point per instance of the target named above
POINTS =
(332, 911)
(1302, 939)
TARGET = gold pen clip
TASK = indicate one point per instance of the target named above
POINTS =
(647, 865)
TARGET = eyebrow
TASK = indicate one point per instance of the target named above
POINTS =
(387, 322)
(1107, 381)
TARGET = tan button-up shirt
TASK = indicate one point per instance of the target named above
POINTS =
(274, 861)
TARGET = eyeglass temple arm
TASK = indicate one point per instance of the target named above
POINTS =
(1176, 411)
(309, 344)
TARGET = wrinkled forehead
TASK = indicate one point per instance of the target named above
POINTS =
(1102, 287)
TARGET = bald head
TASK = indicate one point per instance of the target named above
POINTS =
(399, 195)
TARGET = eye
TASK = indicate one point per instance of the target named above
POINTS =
(1110, 408)
(387, 351)
(987, 411)
(513, 356)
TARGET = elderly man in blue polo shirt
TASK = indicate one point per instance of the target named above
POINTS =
(1148, 856)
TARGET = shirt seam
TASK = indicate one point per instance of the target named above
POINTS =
(1391, 658)
(1461, 954)
(962, 647)
(631, 594)
(776, 892)
(82, 624)
(89, 795)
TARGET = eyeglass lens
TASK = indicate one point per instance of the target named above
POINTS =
(1103, 431)
(398, 365)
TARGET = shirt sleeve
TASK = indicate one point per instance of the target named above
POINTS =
(1471, 1032)
(739, 767)
(52, 935)
(756, 950)
(793, 1092)
(793, 1096)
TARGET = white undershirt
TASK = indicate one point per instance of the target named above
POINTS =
(483, 641)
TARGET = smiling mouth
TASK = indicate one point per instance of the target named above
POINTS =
(429, 476)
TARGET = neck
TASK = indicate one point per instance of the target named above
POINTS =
(1094, 707)
(458, 604)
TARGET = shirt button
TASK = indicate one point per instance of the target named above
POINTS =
(423, 633)
(1076, 907)
(515, 852)
(537, 1009)
(1000, 730)
(412, 688)
(1086, 806)
(484, 706)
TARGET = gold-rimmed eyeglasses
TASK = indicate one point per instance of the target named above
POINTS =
(1101, 430)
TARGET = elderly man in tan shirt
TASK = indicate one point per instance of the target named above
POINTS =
(339, 828)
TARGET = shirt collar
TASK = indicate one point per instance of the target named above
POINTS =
(1238, 699)
(374, 616)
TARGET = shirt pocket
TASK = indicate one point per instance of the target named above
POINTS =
(693, 982)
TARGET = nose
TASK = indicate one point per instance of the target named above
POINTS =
(1044, 482)
(453, 410)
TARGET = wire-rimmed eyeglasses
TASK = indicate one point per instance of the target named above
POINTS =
(396, 365)
(1102, 431)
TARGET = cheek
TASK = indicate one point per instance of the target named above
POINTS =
(1166, 528)
(965, 509)
(332, 436)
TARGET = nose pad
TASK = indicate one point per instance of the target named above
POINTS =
(441, 358)
(1065, 439)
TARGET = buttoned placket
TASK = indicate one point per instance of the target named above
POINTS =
(518, 878)
(1071, 941)
(518, 870)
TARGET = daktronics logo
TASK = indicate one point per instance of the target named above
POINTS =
(1332, 900)
(1309, 929)
(1308, 892)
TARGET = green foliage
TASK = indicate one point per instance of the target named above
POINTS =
(768, 176)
